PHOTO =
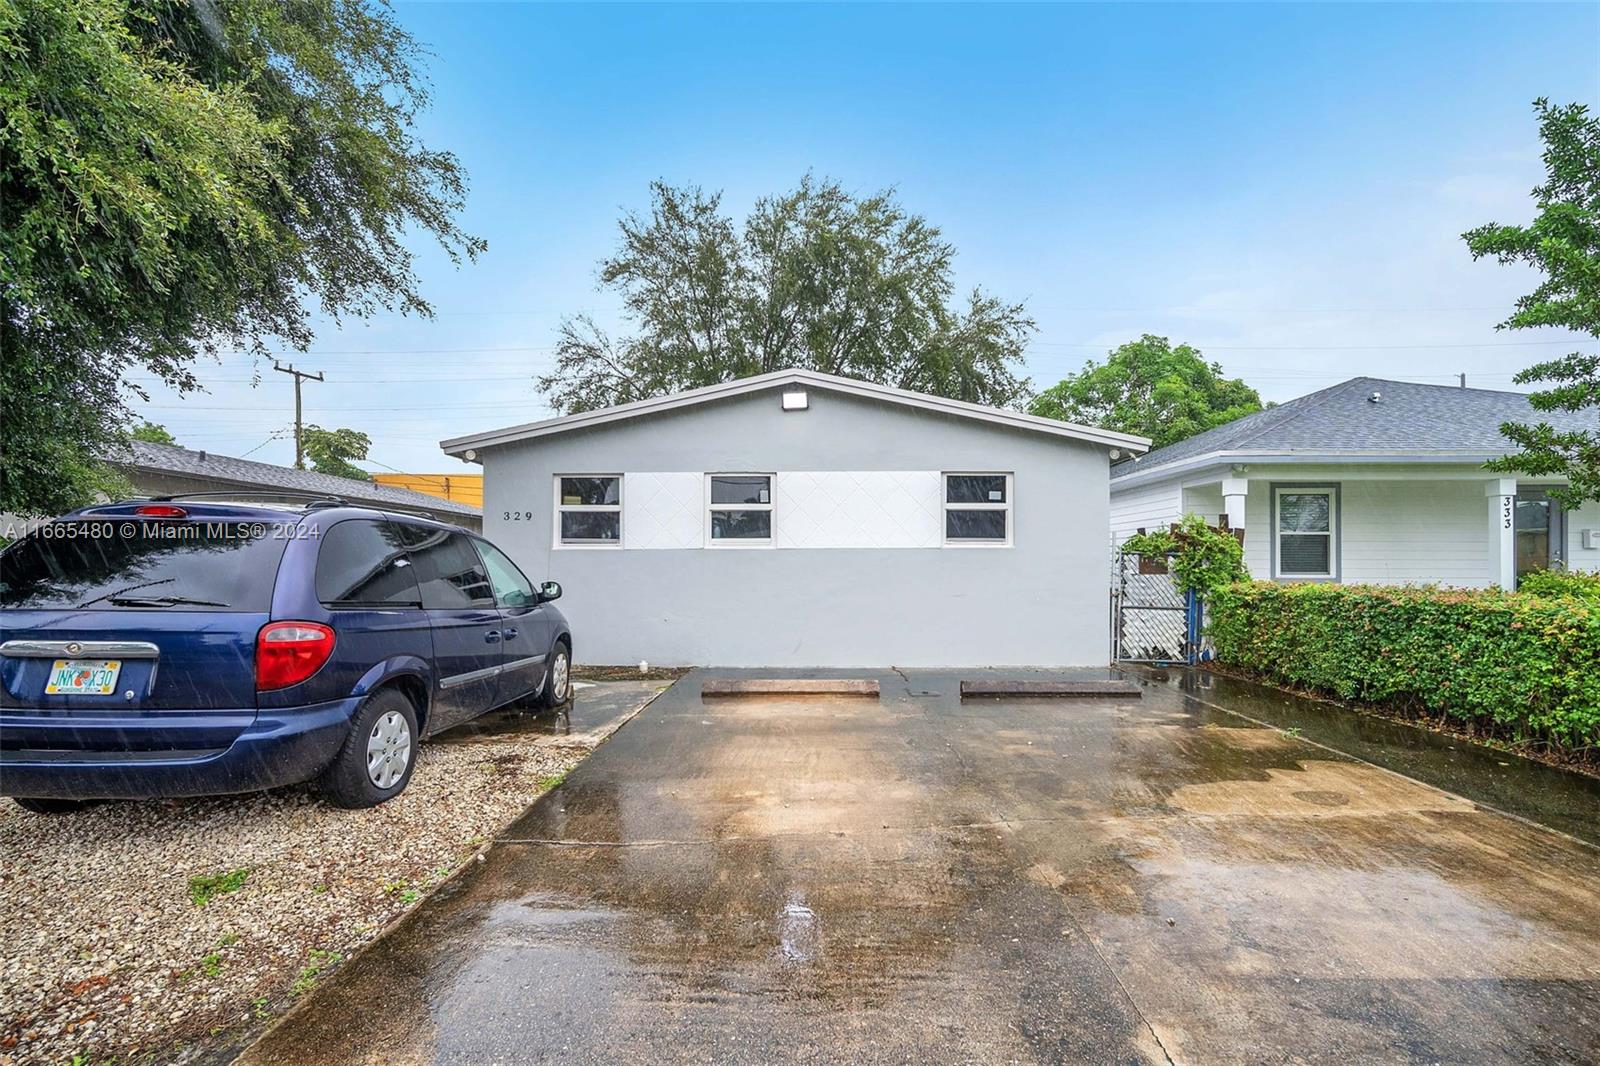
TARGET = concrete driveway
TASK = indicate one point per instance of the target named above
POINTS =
(921, 879)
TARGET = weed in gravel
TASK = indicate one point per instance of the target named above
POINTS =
(204, 888)
(212, 964)
(228, 940)
(547, 783)
(410, 896)
(320, 890)
(319, 964)
(260, 1008)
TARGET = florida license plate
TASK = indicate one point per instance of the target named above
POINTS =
(83, 677)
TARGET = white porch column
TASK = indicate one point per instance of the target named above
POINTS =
(1234, 492)
(1502, 493)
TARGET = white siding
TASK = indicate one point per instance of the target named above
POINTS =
(1415, 532)
(1394, 530)
(1150, 507)
(1205, 501)
(1579, 557)
(1258, 531)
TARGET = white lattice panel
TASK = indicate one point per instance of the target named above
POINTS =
(857, 509)
(663, 510)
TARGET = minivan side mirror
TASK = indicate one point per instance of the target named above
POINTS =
(550, 590)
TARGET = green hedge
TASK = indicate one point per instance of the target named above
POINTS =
(1518, 665)
(1584, 585)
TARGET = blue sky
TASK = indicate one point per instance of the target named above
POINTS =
(1282, 186)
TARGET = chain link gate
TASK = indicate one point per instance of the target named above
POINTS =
(1151, 620)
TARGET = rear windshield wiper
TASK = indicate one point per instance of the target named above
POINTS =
(114, 597)
(162, 601)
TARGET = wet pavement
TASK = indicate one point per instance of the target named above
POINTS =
(925, 879)
(595, 712)
(1563, 799)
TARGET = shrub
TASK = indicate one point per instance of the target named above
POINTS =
(1514, 664)
(1204, 559)
(1585, 586)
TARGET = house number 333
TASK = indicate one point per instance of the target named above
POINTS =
(1506, 510)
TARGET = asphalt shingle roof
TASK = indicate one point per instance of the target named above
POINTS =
(1343, 418)
(183, 462)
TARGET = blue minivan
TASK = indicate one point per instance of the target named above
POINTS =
(187, 646)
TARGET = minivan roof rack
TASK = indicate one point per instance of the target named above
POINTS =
(316, 499)
(400, 508)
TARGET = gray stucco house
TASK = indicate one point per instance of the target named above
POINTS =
(166, 469)
(802, 519)
(1369, 481)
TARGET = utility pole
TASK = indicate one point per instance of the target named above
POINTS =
(299, 375)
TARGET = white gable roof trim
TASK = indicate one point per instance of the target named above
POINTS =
(1184, 467)
(495, 438)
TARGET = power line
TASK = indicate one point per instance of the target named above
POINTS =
(1204, 345)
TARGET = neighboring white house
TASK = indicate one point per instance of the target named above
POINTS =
(802, 519)
(1368, 481)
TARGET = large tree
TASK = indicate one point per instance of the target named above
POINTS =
(152, 433)
(331, 451)
(1150, 388)
(1563, 243)
(183, 177)
(816, 278)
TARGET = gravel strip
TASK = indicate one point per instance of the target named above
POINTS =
(107, 956)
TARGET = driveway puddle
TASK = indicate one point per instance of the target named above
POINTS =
(1318, 788)
(799, 937)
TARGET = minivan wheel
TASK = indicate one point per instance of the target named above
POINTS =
(558, 678)
(49, 806)
(378, 756)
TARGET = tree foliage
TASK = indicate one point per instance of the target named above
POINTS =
(151, 433)
(816, 278)
(330, 451)
(183, 177)
(1563, 243)
(1150, 388)
(1204, 559)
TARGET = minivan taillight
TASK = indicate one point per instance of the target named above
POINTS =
(289, 652)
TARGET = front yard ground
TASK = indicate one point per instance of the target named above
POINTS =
(148, 930)
(923, 878)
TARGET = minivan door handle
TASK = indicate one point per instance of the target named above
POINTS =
(492, 637)
(511, 634)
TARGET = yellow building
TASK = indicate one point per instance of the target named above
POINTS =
(457, 488)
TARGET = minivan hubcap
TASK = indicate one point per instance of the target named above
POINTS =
(558, 678)
(388, 749)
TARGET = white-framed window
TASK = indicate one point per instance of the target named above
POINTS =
(739, 510)
(977, 510)
(588, 511)
(1305, 532)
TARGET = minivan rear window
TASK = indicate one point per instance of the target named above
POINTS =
(127, 565)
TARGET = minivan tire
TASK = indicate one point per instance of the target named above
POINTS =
(50, 806)
(560, 656)
(347, 782)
